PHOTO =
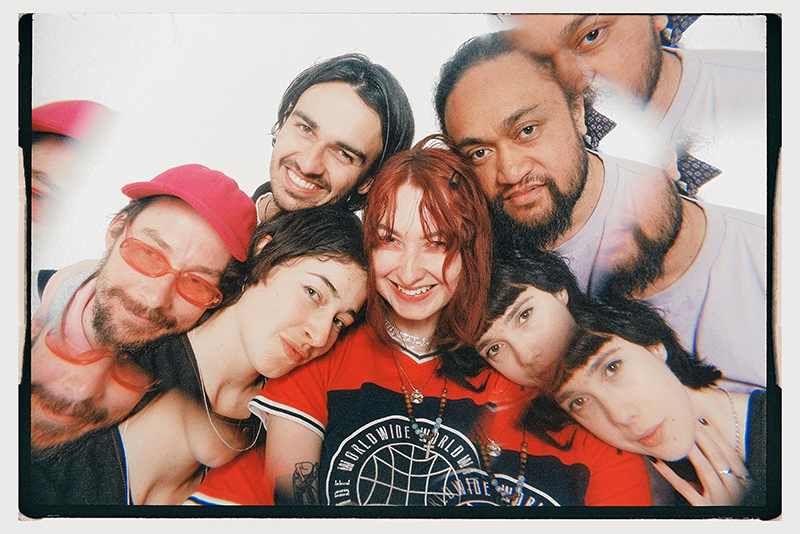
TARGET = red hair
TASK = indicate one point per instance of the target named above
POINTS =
(453, 202)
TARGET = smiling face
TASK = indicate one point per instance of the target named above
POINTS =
(529, 340)
(409, 267)
(130, 308)
(622, 50)
(324, 147)
(298, 312)
(628, 397)
(523, 140)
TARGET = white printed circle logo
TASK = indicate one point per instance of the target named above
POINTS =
(385, 463)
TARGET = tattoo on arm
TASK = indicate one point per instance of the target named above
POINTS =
(305, 483)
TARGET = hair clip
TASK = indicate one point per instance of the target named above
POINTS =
(454, 180)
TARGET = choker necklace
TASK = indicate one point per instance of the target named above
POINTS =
(208, 412)
(428, 438)
(411, 342)
(505, 494)
(735, 420)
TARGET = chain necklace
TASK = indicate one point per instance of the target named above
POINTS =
(411, 342)
(735, 420)
(428, 438)
(416, 395)
(208, 411)
(505, 494)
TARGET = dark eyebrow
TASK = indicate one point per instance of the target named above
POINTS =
(341, 144)
(333, 290)
(507, 123)
(155, 236)
(512, 119)
(597, 362)
(506, 319)
(574, 26)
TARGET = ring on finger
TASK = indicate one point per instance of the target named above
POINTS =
(726, 472)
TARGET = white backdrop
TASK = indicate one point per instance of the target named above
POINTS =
(204, 88)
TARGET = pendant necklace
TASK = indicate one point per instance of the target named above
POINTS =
(505, 494)
(428, 438)
(491, 447)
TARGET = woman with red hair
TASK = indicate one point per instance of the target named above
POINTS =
(377, 421)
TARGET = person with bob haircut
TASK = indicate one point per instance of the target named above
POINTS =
(301, 286)
(338, 121)
(626, 378)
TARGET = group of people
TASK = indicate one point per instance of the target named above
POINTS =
(514, 319)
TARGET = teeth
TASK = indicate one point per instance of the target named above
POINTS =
(300, 182)
(414, 292)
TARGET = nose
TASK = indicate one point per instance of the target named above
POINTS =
(160, 291)
(513, 165)
(621, 411)
(83, 383)
(311, 159)
(410, 269)
(318, 329)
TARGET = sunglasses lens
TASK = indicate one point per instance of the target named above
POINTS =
(144, 259)
(129, 374)
(56, 344)
(198, 291)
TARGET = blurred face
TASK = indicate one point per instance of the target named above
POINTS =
(623, 51)
(70, 399)
(628, 397)
(298, 312)
(328, 142)
(409, 267)
(130, 308)
(522, 138)
(53, 161)
(529, 340)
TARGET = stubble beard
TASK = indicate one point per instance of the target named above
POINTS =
(648, 81)
(543, 233)
(283, 199)
(46, 437)
(112, 335)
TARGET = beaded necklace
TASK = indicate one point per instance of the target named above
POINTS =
(505, 495)
(428, 438)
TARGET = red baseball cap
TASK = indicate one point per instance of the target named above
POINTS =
(216, 196)
(79, 119)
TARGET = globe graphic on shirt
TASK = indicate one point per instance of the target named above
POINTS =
(400, 474)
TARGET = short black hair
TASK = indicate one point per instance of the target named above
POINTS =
(479, 50)
(326, 232)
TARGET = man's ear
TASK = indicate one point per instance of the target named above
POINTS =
(577, 107)
(263, 242)
(115, 229)
(363, 189)
(660, 352)
(562, 296)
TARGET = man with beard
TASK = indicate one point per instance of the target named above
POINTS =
(166, 252)
(695, 113)
(338, 121)
(620, 225)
